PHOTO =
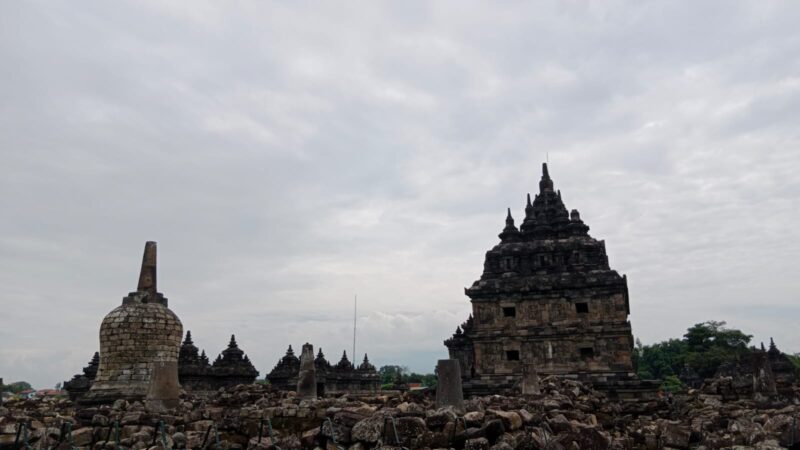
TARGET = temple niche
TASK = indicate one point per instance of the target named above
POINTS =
(547, 301)
(232, 367)
(342, 378)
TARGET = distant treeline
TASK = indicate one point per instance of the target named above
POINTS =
(703, 349)
(391, 375)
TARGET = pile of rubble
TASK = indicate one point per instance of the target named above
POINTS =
(566, 415)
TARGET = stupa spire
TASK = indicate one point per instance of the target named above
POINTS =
(147, 276)
(510, 231)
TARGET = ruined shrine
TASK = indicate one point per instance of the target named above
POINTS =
(139, 343)
(547, 302)
(80, 383)
(196, 373)
(342, 378)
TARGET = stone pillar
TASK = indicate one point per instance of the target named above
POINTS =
(307, 378)
(530, 380)
(448, 386)
(763, 378)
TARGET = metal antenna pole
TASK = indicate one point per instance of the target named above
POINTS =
(355, 310)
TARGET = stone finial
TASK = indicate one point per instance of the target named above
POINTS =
(188, 340)
(772, 347)
(546, 184)
(575, 216)
(366, 366)
(529, 223)
(344, 363)
(204, 358)
(290, 352)
(510, 232)
(232, 343)
(762, 347)
(147, 276)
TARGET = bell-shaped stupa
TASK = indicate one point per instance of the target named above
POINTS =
(139, 345)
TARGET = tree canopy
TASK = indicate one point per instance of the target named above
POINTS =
(703, 348)
(16, 387)
(390, 374)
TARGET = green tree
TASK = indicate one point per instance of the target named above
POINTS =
(390, 373)
(704, 347)
(16, 387)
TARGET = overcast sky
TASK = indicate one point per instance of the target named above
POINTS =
(289, 155)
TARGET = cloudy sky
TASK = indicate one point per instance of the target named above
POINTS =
(289, 155)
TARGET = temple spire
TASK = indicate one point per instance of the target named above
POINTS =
(188, 340)
(510, 232)
(772, 347)
(232, 343)
(546, 184)
(147, 276)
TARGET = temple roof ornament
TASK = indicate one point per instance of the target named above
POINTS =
(365, 365)
(344, 363)
(510, 232)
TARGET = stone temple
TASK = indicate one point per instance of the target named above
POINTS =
(231, 367)
(139, 344)
(547, 303)
(342, 378)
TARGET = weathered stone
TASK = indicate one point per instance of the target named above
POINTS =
(408, 430)
(307, 377)
(673, 434)
(370, 429)
(82, 436)
(448, 386)
(440, 417)
(511, 420)
(530, 380)
(477, 444)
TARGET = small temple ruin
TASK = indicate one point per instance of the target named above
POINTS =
(547, 303)
(344, 377)
(80, 383)
(231, 367)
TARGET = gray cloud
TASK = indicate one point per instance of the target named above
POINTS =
(287, 156)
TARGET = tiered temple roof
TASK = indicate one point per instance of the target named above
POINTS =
(546, 300)
(343, 377)
(231, 367)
